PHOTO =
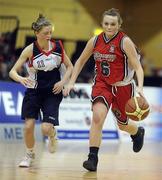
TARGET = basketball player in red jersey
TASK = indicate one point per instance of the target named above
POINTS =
(116, 60)
(45, 60)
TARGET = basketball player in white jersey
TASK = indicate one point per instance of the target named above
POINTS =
(43, 59)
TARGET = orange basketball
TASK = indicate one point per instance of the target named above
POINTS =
(137, 108)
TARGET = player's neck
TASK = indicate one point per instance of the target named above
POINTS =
(109, 37)
(44, 45)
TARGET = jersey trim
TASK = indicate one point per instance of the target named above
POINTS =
(58, 54)
(108, 40)
(104, 99)
(42, 51)
(62, 49)
(37, 55)
(125, 58)
(95, 41)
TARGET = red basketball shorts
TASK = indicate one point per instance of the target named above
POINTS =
(114, 97)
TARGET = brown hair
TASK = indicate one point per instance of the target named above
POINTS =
(40, 22)
(113, 12)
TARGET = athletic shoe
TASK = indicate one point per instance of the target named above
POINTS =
(138, 139)
(91, 163)
(27, 160)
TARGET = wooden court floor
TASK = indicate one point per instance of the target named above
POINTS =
(117, 161)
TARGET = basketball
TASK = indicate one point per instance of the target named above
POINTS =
(137, 108)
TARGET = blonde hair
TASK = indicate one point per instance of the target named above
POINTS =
(40, 23)
(113, 12)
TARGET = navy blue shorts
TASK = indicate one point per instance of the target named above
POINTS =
(36, 100)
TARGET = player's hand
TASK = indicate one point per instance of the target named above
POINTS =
(139, 90)
(26, 81)
(58, 87)
(67, 89)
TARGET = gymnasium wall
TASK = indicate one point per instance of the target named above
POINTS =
(77, 19)
(142, 20)
(70, 18)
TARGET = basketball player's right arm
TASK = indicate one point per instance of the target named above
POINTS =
(87, 52)
(26, 54)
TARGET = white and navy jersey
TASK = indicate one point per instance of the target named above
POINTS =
(43, 67)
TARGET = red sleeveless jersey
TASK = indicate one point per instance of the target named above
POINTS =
(110, 59)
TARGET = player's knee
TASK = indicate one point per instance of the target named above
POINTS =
(28, 128)
(97, 121)
(46, 129)
(96, 118)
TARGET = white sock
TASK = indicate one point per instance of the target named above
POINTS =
(30, 150)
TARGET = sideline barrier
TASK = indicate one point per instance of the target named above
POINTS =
(75, 115)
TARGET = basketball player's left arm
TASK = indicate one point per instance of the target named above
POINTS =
(134, 62)
(67, 68)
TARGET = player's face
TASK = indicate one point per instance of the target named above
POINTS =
(110, 25)
(45, 33)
